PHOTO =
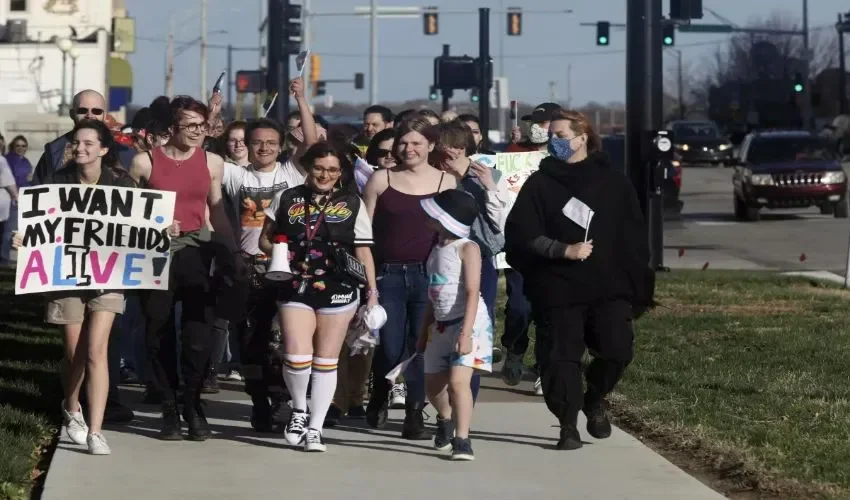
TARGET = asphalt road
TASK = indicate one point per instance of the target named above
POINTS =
(787, 240)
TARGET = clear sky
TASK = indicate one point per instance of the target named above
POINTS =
(549, 44)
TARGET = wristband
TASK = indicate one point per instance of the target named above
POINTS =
(372, 292)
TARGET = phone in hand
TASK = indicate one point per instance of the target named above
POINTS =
(217, 87)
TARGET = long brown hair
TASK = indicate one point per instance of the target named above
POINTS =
(416, 124)
(580, 125)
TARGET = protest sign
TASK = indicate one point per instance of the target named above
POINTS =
(515, 168)
(81, 237)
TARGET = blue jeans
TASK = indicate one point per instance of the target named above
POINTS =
(489, 290)
(6, 238)
(517, 315)
(403, 292)
(133, 348)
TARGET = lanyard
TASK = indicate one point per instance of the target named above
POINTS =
(310, 232)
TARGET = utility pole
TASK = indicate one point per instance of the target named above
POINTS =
(681, 84)
(169, 60)
(807, 65)
(306, 41)
(203, 49)
(842, 26)
(655, 116)
(373, 52)
(569, 85)
(484, 76)
(636, 45)
(229, 75)
(553, 95)
(274, 49)
(446, 94)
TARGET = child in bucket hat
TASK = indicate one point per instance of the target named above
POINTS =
(457, 337)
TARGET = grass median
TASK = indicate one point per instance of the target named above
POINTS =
(745, 376)
(30, 391)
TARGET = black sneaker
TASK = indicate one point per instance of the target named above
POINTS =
(512, 369)
(333, 416)
(210, 384)
(445, 434)
(598, 424)
(570, 438)
(170, 425)
(462, 450)
(357, 412)
(377, 412)
(313, 441)
(196, 421)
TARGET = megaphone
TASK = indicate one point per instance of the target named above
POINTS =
(279, 266)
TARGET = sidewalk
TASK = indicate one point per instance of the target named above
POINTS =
(513, 440)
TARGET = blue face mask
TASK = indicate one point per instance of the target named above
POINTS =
(561, 148)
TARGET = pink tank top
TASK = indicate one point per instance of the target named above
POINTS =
(190, 179)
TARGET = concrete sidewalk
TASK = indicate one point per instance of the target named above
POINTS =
(514, 445)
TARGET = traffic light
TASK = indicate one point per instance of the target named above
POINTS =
(291, 28)
(320, 88)
(474, 96)
(603, 33)
(358, 81)
(432, 26)
(684, 10)
(514, 21)
(250, 82)
(315, 67)
(432, 95)
(798, 83)
(668, 34)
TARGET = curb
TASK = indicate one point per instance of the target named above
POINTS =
(819, 275)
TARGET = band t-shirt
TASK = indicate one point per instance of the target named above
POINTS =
(252, 192)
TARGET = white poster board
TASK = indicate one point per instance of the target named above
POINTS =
(81, 237)
(515, 168)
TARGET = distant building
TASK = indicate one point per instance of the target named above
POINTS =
(36, 72)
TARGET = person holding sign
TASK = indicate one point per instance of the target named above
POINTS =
(95, 162)
(577, 234)
(329, 235)
(183, 167)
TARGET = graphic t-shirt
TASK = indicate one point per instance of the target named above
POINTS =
(252, 192)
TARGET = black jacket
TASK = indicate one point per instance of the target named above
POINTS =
(618, 268)
(53, 159)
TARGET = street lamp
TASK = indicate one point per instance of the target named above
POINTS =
(74, 53)
(65, 45)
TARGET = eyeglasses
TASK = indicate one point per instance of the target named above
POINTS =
(268, 144)
(383, 153)
(194, 128)
(85, 111)
(332, 172)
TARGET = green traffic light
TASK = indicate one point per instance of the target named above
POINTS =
(798, 88)
(668, 40)
(603, 40)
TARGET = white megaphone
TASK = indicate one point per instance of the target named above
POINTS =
(279, 265)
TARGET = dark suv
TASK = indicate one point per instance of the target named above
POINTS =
(700, 142)
(788, 169)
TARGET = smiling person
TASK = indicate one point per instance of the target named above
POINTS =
(86, 317)
(403, 241)
(183, 167)
(326, 227)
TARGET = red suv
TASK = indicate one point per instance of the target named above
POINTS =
(788, 169)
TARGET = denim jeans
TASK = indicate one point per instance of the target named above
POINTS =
(133, 336)
(6, 236)
(517, 315)
(489, 290)
(403, 292)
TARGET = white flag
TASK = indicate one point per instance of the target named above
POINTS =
(393, 375)
(300, 60)
(578, 212)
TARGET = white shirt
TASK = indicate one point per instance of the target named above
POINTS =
(6, 179)
(252, 192)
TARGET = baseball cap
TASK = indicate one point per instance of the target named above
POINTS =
(542, 112)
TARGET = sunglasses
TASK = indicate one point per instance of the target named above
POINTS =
(85, 111)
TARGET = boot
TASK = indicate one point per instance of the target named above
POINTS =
(280, 412)
(211, 383)
(377, 411)
(261, 414)
(193, 414)
(170, 429)
(414, 422)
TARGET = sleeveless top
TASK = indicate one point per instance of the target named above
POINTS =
(446, 286)
(401, 228)
(190, 179)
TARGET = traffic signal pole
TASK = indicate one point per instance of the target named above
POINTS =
(274, 51)
(446, 93)
(484, 76)
(655, 116)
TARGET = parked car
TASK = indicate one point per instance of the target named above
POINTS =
(700, 142)
(788, 169)
(615, 147)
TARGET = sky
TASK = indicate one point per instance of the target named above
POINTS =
(550, 44)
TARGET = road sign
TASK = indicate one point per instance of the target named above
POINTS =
(706, 28)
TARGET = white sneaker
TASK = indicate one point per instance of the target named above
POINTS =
(97, 444)
(234, 376)
(538, 387)
(398, 396)
(313, 441)
(75, 425)
(295, 429)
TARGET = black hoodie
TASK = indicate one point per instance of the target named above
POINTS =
(618, 268)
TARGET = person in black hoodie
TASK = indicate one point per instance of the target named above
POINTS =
(577, 234)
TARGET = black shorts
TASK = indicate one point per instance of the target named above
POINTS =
(324, 296)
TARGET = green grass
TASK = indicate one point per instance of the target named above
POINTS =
(749, 375)
(29, 387)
